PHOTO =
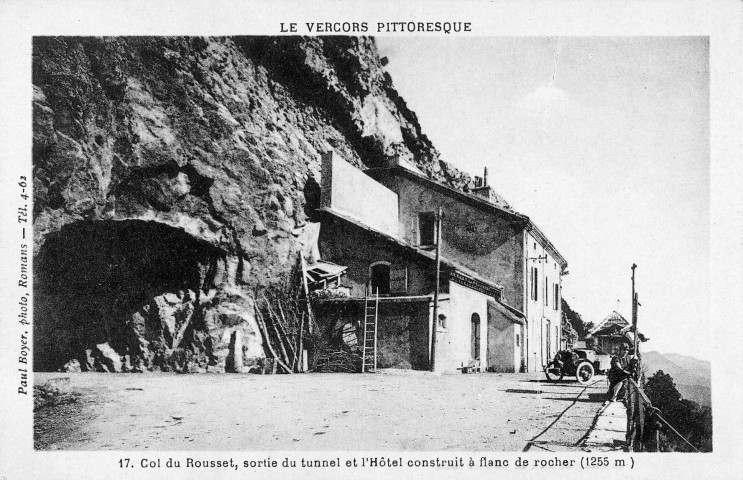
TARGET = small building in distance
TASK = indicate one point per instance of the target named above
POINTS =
(610, 333)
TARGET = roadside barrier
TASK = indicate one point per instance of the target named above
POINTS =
(637, 403)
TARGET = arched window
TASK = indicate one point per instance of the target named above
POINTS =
(475, 336)
(379, 275)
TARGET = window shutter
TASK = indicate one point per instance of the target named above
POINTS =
(398, 279)
(557, 297)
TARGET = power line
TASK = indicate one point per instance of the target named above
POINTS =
(656, 412)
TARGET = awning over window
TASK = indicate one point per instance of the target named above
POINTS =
(629, 331)
(323, 273)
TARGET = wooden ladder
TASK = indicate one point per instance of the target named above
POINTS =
(369, 352)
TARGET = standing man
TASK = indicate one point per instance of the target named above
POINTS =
(617, 374)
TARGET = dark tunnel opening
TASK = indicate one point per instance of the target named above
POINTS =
(92, 276)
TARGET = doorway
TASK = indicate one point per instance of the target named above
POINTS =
(475, 324)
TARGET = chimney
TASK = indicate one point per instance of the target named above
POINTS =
(482, 189)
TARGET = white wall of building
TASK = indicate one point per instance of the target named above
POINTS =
(544, 317)
(349, 191)
(454, 344)
(504, 354)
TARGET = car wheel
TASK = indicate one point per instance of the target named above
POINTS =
(584, 372)
(553, 372)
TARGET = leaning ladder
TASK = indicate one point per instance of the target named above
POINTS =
(369, 352)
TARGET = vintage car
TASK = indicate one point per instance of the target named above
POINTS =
(583, 363)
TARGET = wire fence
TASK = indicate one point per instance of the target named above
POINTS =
(639, 410)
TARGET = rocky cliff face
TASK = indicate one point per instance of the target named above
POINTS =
(172, 176)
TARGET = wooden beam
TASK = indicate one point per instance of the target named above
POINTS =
(264, 331)
(280, 323)
(306, 292)
(301, 345)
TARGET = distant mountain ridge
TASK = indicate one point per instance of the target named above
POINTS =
(693, 377)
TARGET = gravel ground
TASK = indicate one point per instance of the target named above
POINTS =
(390, 410)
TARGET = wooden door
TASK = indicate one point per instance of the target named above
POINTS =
(475, 323)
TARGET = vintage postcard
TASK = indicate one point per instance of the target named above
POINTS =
(463, 239)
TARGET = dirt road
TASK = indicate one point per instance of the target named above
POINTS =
(391, 410)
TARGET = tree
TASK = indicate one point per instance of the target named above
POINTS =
(576, 320)
(687, 417)
(662, 391)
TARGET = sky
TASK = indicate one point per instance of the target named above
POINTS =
(602, 141)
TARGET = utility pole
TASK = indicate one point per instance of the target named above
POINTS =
(435, 323)
(634, 313)
(634, 325)
(634, 405)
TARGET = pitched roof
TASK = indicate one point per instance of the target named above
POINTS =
(465, 197)
(614, 318)
(611, 320)
(461, 271)
(510, 313)
(615, 325)
(476, 201)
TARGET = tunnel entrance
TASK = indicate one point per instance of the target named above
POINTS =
(137, 286)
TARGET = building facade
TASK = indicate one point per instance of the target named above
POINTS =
(500, 277)
(542, 304)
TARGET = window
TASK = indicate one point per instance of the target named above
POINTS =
(557, 296)
(534, 283)
(388, 279)
(518, 340)
(546, 291)
(426, 228)
(380, 278)
(442, 322)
